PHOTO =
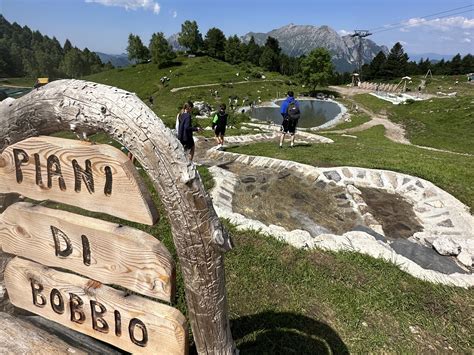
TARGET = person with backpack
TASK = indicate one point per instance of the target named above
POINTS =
(186, 129)
(219, 124)
(290, 110)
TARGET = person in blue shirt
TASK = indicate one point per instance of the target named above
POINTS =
(290, 111)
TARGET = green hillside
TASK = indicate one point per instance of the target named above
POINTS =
(284, 300)
(144, 80)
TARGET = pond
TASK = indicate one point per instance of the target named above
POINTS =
(314, 113)
(15, 92)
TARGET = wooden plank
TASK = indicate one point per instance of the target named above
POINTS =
(98, 177)
(131, 323)
(107, 252)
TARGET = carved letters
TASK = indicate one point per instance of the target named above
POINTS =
(104, 251)
(96, 310)
(95, 177)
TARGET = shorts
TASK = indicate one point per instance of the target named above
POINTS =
(219, 131)
(289, 126)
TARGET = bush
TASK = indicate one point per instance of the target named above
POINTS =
(256, 75)
(236, 119)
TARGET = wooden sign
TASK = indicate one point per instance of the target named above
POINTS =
(98, 178)
(131, 323)
(104, 251)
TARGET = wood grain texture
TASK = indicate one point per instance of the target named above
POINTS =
(165, 326)
(59, 173)
(106, 252)
(199, 237)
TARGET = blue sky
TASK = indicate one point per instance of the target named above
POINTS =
(104, 25)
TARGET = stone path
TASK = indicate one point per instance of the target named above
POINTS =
(445, 223)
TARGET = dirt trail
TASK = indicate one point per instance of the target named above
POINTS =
(218, 84)
(393, 131)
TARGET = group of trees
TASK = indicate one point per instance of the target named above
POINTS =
(396, 64)
(234, 51)
(24, 52)
(159, 51)
(216, 45)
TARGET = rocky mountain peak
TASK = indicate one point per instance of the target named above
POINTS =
(296, 40)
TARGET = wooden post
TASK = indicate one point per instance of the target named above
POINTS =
(199, 237)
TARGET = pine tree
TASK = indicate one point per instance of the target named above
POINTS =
(254, 51)
(397, 60)
(160, 50)
(136, 51)
(233, 50)
(190, 37)
(214, 43)
(317, 68)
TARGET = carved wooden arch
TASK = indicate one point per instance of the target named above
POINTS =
(200, 240)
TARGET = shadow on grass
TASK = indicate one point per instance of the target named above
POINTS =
(285, 333)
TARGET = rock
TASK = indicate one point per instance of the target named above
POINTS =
(332, 175)
(203, 108)
(353, 190)
(446, 246)
(446, 223)
(370, 231)
(465, 258)
(247, 179)
(426, 257)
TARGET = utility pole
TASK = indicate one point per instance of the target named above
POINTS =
(360, 34)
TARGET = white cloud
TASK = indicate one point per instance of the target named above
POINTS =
(403, 43)
(443, 24)
(175, 14)
(344, 32)
(466, 40)
(131, 4)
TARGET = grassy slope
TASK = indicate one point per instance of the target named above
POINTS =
(284, 300)
(144, 80)
(443, 123)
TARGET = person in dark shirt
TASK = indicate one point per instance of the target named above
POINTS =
(290, 111)
(219, 124)
(186, 129)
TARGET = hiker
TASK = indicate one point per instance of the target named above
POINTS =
(290, 110)
(186, 129)
(219, 123)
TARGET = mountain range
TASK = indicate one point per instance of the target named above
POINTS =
(117, 60)
(296, 40)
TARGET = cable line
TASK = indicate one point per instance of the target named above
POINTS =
(421, 18)
(425, 17)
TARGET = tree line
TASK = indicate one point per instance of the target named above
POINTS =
(396, 65)
(313, 69)
(216, 45)
(24, 52)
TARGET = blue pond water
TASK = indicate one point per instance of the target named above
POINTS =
(14, 91)
(313, 113)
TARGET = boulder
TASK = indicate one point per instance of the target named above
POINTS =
(446, 246)
(465, 258)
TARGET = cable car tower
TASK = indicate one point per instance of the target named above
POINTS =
(360, 34)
